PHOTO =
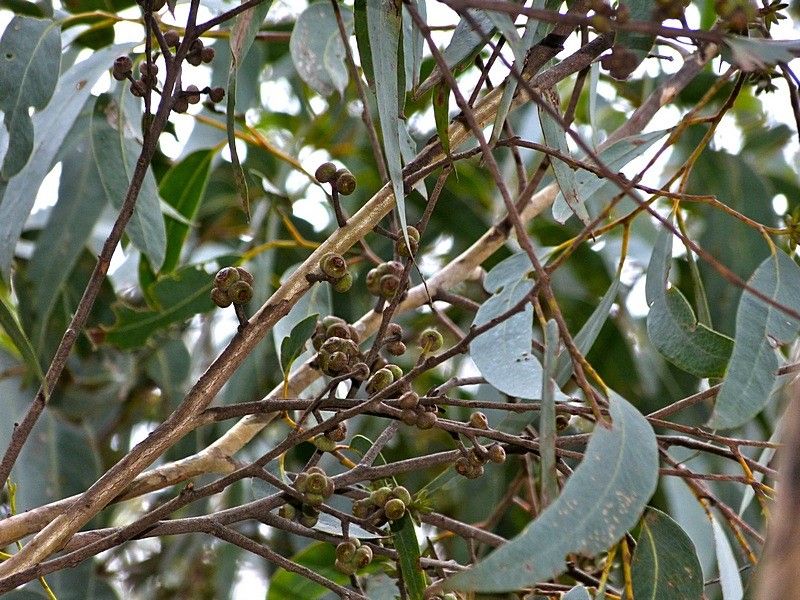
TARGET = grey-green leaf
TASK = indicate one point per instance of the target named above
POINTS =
(555, 137)
(577, 593)
(729, 578)
(603, 498)
(467, 39)
(503, 354)
(752, 370)
(674, 330)
(752, 54)
(10, 324)
(659, 266)
(51, 127)
(615, 157)
(317, 49)
(635, 42)
(30, 58)
(665, 564)
(586, 337)
(404, 538)
(115, 155)
(547, 416)
(294, 343)
(384, 26)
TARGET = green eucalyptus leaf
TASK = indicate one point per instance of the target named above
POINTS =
(384, 27)
(183, 187)
(180, 295)
(754, 54)
(294, 344)
(404, 539)
(317, 49)
(586, 337)
(615, 157)
(70, 225)
(50, 127)
(752, 370)
(467, 40)
(441, 114)
(729, 578)
(674, 330)
(555, 136)
(604, 497)
(659, 266)
(10, 324)
(115, 156)
(30, 58)
(577, 593)
(413, 44)
(547, 417)
(665, 564)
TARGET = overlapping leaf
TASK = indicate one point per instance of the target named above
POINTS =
(30, 56)
(760, 327)
(603, 498)
(665, 564)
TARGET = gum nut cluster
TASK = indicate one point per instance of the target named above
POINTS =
(383, 375)
(392, 502)
(352, 556)
(394, 340)
(471, 465)
(232, 285)
(334, 267)
(413, 238)
(336, 343)
(315, 487)
(341, 180)
(384, 280)
(413, 413)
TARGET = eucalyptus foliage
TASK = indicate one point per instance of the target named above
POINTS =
(394, 299)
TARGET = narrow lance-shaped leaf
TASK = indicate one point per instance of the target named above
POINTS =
(752, 370)
(243, 33)
(441, 115)
(753, 54)
(555, 137)
(615, 157)
(384, 26)
(114, 156)
(404, 538)
(665, 564)
(659, 266)
(30, 57)
(729, 578)
(294, 343)
(10, 324)
(603, 498)
(586, 337)
(547, 416)
(577, 593)
(51, 127)
(466, 41)
(183, 187)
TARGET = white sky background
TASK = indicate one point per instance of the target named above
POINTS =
(311, 205)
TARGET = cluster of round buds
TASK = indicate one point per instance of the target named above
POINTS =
(352, 556)
(471, 465)
(199, 53)
(338, 355)
(413, 238)
(148, 76)
(413, 413)
(341, 180)
(334, 268)
(430, 340)
(326, 442)
(332, 326)
(394, 340)
(123, 68)
(383, 377)
(391, 502)
(315, 487)
(232, 285)
(384, 280)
